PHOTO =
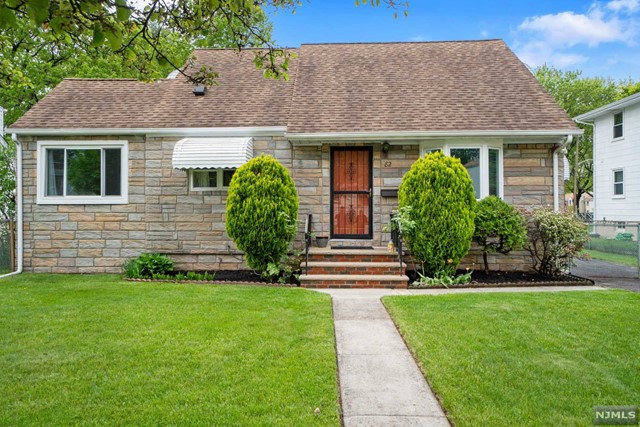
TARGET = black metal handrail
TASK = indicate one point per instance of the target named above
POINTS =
(396, 239)
(307, 242)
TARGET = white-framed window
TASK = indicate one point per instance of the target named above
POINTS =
(210, 179)
(483, 161)
(82, 172)
(618, 183)
(618, 125)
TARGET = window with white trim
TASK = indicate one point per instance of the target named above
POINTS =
(618, 182)
(82, 172)
(210, 179)
(618, 124)
(483, 161)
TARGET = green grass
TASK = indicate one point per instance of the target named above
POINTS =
(622, 247)
(525, 359)
(629, 260)
(95, 350)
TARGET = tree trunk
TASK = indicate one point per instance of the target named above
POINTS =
(486, 262)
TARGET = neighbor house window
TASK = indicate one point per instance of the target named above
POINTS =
(618, 131)
(82, 172)
(618, 183)
(210, 179)
(482, 161)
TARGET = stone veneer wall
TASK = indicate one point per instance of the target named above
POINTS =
(164, 216)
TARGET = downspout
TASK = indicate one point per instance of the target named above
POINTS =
(556, 187)
(19, 210)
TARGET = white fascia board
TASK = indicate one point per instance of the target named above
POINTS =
(182, 132)
(618, 105)
(380, 136)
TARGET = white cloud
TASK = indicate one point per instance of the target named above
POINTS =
(550, 38)
(569, 29)
(484, 34)
(622, 5)
(418, 38)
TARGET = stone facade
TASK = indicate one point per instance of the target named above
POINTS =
(164, 216)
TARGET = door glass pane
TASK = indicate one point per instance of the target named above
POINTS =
(494, 171)
(55, 172)
(83, 172)
(351, 214)
(112, 169)
(205, 179)
(226, 176)
(470, 158)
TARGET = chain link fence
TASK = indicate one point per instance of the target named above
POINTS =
(615, 242)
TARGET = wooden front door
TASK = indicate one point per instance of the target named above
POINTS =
(351, 192)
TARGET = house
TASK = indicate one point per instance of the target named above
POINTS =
(616, 153)
(114, 168)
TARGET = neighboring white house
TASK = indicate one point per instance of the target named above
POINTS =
(616, 159)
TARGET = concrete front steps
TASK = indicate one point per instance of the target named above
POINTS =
(353, 268)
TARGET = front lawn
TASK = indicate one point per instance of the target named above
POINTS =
(95, 350)
(631, 261)
(525, 359)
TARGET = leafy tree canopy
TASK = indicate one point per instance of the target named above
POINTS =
(577, 95)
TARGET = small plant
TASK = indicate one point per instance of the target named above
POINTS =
(555, 239)
(286, 271)
(499, 228)
(147, 265)
(628, 237)
(442, 278)
(401, 221)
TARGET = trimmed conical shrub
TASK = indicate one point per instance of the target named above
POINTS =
(262, 211)
(441, 195)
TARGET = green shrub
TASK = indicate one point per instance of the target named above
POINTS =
(499, 228)
(146, 266)
(555, 238)
(262, 211)
(627, 237)
(440, 193)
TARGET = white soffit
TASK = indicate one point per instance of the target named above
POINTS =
(212, 153)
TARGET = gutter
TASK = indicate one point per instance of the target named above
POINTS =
(222, 131)
(556, 187)
(19, 211)
(391, 135)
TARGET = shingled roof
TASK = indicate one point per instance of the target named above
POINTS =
(244, 98)
(361, 87)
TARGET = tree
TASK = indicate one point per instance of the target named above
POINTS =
(132, 29)
(440, 193)
(577, 95)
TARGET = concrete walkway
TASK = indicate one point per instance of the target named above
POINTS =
(380, 382)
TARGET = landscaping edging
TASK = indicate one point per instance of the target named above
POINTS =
(577, 281)
(215, 282)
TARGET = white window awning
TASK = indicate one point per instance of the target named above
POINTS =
(212, 153)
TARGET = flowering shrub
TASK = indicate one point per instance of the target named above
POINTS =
(555, 238)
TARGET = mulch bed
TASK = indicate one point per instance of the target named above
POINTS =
(509, 279)
(227, 277)
(478, 280)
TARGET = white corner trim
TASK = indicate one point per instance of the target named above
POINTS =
(333, 136)
(222, 131)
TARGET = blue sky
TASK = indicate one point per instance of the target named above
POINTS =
(600, 38)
